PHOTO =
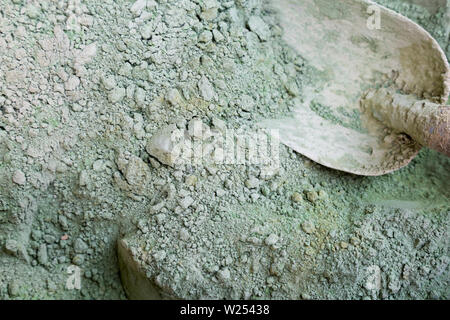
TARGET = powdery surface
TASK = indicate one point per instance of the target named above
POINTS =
(84, 85)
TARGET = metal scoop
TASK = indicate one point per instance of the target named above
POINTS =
(380, 85)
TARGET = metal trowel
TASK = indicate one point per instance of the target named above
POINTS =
(381, 89)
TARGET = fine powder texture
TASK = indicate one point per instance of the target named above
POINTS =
(85, 85)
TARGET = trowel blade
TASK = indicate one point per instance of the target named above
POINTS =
(355, 45)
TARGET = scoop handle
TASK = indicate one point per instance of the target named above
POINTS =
(439, 137)
(426, 122)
